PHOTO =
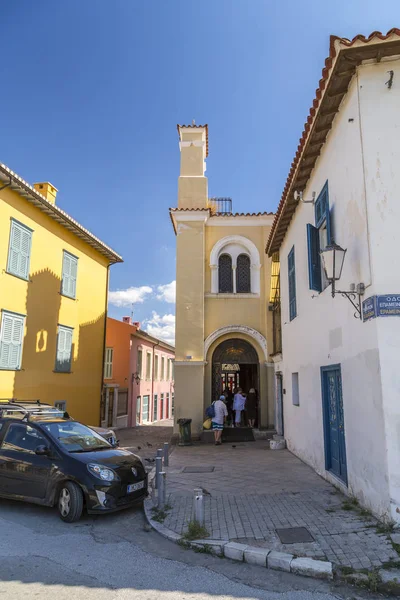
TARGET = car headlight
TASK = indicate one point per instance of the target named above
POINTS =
(101, 472)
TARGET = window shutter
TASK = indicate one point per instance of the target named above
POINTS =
(314, 258)
(292, 285)
(12, 334)
(19, 250)
(64, 348)
(69, 275)
(322, 212)
(73, 274)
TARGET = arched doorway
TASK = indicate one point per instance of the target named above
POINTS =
(234, 363)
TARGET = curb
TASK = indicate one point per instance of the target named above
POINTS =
(243, 553)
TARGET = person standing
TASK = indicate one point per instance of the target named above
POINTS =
(217, 421)
(251, 407)
(239, 403)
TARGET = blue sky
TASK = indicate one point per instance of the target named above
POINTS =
(92, 91)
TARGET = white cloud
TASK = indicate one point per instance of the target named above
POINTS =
(132, 295)
(161, 327)
(167, 292)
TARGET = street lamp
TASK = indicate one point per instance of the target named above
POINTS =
(136, 377)
(333, 259)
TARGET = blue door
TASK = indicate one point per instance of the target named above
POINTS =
(334, 434)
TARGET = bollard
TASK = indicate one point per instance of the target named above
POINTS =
(198, 506)
(161, 490)
(160, 452)
(166, 454)
(158, 471)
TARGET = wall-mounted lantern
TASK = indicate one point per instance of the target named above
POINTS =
(333, 259)
(136, 377)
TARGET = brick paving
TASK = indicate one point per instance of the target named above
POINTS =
(254, 491)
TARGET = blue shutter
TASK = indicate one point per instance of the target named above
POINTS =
(64, 349)
(292, 285)
(69, 275)
(322, 212)
(314, 258)
(19, 250)
(11, 337)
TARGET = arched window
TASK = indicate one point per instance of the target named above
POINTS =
(243, 274)
(225, 279)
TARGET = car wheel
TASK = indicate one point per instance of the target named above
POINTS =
(70, 502)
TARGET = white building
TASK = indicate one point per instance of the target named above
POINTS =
(338, 375)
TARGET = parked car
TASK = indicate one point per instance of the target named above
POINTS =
(56, 461)
(37, 407)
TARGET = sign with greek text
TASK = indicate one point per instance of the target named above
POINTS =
(230, 367)
(388, 305)
(369, 308)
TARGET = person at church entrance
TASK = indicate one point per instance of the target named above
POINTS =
(217, 424)
(251, 407)
(239, 403)
(229, 404)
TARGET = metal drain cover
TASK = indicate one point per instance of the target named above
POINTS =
(198, 469)
(294, 535)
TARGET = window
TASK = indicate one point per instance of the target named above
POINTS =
(169, 369)
(108, 363)
(22, 438)
(172, 404)
(172, 369)
(122, 408)
(148, 366)
(156, 374)
(243, 274)
(61, 405)
(162, 367)
(69, 273)
(64, 349)
(167, 407)
(139, 362)
(295, 389)
(11, 338)
(19, 250)
(319, 237)
(155, 407)
(292, 285)
(138, 408)
(225, 274)
(145, 414)
(162, 406)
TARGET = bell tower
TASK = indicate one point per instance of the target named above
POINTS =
(192, 183)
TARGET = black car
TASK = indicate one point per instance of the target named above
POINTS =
(59, 461)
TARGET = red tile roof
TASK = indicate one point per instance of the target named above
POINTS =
(337, 46)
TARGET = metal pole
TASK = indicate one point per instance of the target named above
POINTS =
(160, 452)
(166, 454)
(161, 490)
(198, 506)
(158, 471)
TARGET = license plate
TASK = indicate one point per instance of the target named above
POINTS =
(134, 487)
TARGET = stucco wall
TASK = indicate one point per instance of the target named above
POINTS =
(325, 331)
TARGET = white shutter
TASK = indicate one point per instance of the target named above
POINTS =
(69, 274)
(19, 250)
(64, 349)
(11, 337)
(74, 269)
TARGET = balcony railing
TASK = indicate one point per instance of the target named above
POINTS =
(220, 206)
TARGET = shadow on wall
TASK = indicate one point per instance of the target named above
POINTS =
(37, 380)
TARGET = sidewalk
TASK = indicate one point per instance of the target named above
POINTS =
(255, 492)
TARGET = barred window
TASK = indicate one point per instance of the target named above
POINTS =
(225, 278)
(243, 274)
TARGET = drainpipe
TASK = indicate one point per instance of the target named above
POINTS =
(104, 336)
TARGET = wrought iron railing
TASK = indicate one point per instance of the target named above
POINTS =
(220, 205)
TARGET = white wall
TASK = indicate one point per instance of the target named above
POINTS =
(325, 331)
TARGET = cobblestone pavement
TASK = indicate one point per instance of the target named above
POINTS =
(145, 439)
(254, 491)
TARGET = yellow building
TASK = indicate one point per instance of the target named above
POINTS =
(53, 301)
(223, 278)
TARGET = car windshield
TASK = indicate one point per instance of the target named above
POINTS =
(75, 437)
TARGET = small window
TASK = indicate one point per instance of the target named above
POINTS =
(162, 406)
(122, 408)
(295, 389)
(19, 250)
(145, 414)
(140, 362)
(156, 373)
(108, 363)
(155, 407)
(167, 407)
(162, 367)
(172, 404)
(292, 285)
(138, 408)
(225, 274)
(22, 438)
(64, 349)
(69, 275)
(148, 366)
(11, 339)
(61, 405)
(243, 274)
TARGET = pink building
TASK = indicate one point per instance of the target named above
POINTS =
(152, 376)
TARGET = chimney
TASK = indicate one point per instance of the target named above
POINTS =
(136, 324)
(47, 190)
(127, 320)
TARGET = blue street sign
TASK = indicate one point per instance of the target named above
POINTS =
(388, 305)
(369, 308)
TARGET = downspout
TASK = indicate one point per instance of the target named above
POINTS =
(104, 338)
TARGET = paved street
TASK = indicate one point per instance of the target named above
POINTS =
(256, 491)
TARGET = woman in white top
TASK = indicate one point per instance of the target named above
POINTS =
(239, 402)
(218, 419)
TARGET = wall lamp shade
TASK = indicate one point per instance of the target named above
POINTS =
(332, 260)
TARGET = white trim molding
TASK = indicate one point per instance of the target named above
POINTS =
(239, 296)
(240, 221)
(234, 245)
(190, 363)
(249, 331)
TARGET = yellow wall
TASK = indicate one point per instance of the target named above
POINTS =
(40, 300)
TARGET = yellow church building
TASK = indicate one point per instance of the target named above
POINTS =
(223, 281)
(53, 301)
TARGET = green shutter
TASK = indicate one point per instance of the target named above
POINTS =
(322, 212)
(64, 349)
(292, 285)
(19, 250)
(11, 337)
(69, 275)
(314, 258)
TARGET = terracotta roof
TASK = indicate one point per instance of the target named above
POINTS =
(259, 214)
(186, 209)
(194, 127)
(344, 57)
(24, 189)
